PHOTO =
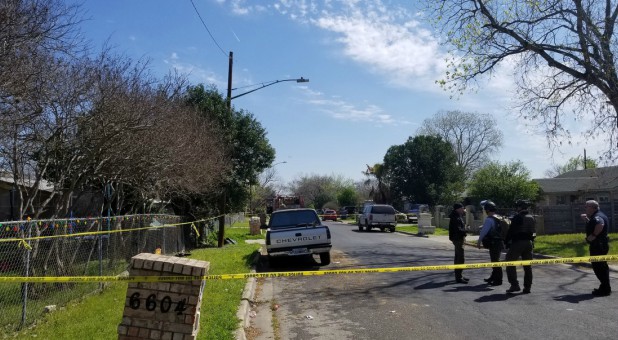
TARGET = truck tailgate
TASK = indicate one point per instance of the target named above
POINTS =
(298, 237)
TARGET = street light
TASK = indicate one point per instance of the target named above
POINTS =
(274, 165)
(298, 80)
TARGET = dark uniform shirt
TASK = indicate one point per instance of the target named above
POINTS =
(456, 227)
(598, 218)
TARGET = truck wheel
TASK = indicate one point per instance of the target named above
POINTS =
(392, 229)
(324, 259)
(382, 229)
(273, 261)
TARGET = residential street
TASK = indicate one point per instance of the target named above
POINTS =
(424, 305)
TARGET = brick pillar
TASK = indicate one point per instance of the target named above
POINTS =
(163, 310)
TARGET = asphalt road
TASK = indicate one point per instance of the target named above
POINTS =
(429, 305)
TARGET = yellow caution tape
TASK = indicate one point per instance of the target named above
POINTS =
(309, 272)
(197, 233)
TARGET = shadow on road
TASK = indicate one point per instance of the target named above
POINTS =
(496, 297)
(574, 298)
(285, 264)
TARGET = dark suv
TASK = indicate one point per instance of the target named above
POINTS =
(415, 210)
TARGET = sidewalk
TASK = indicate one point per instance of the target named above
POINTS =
(256, 313)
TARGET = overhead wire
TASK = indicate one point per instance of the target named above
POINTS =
(206, 27)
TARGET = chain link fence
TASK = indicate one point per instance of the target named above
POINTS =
(100, 246)
(74, 247)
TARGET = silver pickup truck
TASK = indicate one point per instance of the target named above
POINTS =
(295, 232)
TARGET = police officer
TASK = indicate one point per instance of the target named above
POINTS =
(495, 244)
(596, 236)
(519, 241)
(457, 235)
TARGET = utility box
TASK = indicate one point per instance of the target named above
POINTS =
(254, 225)
(424, 224)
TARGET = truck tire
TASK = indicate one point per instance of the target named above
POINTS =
(324, 259)
(274, 261)
(360, 227)
(392, 229)
(382, 229)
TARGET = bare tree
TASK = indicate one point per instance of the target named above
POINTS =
(564, 52)
(473, 136)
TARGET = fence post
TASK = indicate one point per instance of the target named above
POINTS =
(100, 250)
(24, 286)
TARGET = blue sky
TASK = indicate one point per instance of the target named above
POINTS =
(372, 67)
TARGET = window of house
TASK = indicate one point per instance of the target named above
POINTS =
(603, 198)
(560, 199)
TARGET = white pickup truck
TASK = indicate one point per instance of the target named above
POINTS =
(295, 232)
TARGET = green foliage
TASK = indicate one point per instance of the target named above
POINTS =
(317, 190)
(347, 197)
(424, 169)
(573, 164)
(245, 138)
(503, 184)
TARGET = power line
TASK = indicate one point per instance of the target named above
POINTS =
(206, 27)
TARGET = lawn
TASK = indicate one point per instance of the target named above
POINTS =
(97, 316)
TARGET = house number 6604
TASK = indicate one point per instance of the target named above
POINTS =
(151, 303)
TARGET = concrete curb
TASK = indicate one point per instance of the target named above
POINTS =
(245, 302)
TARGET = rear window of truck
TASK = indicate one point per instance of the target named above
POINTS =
(293, 218)
(382, 209)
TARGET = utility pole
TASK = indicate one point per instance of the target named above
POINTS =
(222, 203)
(223, 200)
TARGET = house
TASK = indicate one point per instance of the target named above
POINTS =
(9, 199)
(564, 196)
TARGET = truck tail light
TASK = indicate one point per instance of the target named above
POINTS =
(328, 233)
(267, 239)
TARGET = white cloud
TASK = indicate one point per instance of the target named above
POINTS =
(340, 109)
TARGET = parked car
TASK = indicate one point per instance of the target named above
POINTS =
(378, 216)
(415, 210)
(401, 217)
(295, 232)
(345, 212)
(329, 214)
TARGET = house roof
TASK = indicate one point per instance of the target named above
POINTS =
(605, 178)
(43, 184)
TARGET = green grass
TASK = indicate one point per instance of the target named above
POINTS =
(569, 245)
(97, 316)
(413, 229)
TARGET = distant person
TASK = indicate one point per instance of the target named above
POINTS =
(493, 241)
(457, 235)
(596, 236)
(519, 242)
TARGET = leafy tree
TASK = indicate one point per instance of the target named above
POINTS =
(244, 139)
(574, 163)
(564, 52)
(378, 189)
(503, 184)
(347, 197)
(318, 190)
(424, 169)
(473, 136)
